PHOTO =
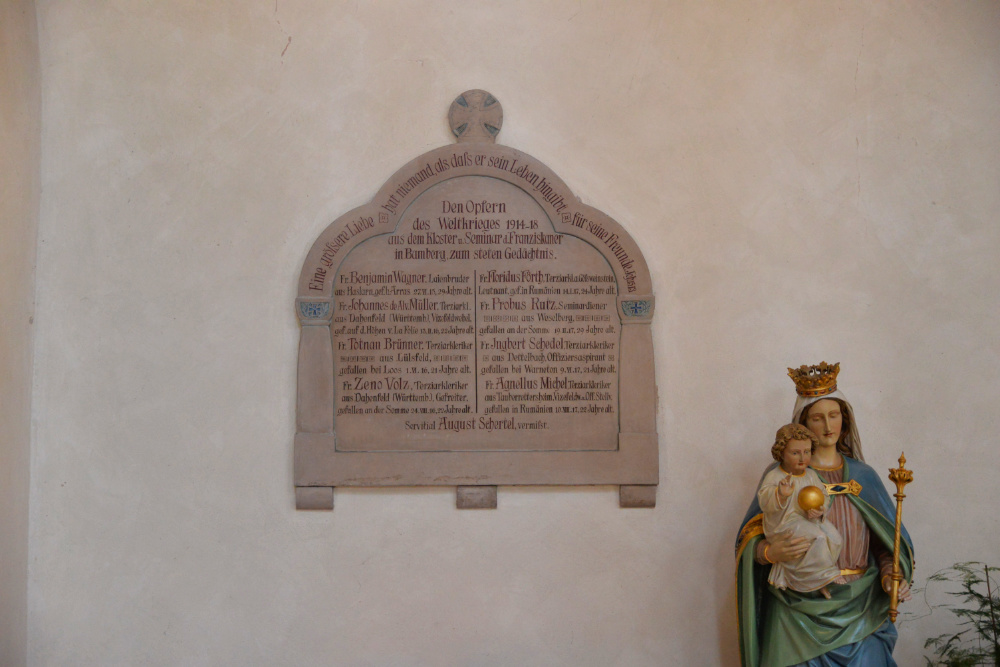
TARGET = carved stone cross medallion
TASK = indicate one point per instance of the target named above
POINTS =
(475, 116)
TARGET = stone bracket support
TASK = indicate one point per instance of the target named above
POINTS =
(314, 498)
(476, 497)
(637, 495)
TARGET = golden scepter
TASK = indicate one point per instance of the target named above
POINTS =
(901, 476)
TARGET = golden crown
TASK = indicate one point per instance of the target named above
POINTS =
(815, 380)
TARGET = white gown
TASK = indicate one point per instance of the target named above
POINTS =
(818, 567)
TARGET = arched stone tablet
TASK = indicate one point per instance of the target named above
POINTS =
(475, 325)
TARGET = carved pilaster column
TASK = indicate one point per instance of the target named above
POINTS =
(314, 413)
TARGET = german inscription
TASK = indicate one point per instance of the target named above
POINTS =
(476, 326)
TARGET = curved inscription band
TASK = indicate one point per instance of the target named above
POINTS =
(475, 325)
(568, 215)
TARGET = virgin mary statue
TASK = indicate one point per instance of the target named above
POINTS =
(778, 628)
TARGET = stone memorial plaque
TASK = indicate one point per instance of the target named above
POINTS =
(475, 325)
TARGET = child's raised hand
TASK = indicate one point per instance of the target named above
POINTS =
(785, 487)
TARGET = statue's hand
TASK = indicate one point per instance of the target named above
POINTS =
(814, 515)
(784, 547)
(904, 591)
(785, 487)
(904, 588)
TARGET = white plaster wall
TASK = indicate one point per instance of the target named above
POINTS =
(808, 181)
(20, 160)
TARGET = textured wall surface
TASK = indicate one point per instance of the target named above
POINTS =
(808, 181)
(20, 154)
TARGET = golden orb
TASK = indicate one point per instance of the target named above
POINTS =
(811, 498)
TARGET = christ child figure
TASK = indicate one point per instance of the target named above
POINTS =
(780, 501)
